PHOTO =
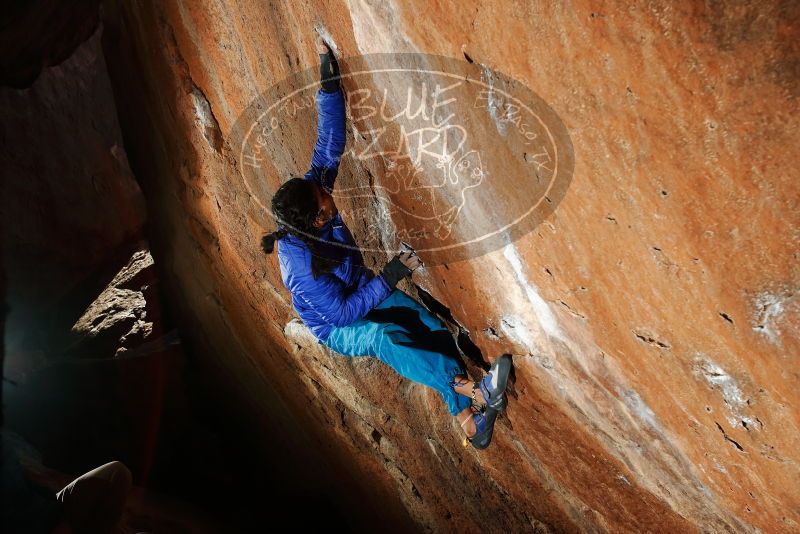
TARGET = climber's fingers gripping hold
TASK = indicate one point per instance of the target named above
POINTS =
(410, 259)
(322, 48)
(328, 68)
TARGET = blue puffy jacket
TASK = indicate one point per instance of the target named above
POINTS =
(350, 290)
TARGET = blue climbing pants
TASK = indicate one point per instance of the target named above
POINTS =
(406, 336)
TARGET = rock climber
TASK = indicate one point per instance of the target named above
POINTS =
(350, 309)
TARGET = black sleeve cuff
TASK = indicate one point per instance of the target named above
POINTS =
(328, 73)
(394, 271)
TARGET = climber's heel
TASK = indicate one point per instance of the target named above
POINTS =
(493, 385)
(484, 422)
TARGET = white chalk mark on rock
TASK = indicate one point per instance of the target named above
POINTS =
(639, 408)
(377, 28)
(769, 310)
(728, 387)
(545, 316)
(493, 103)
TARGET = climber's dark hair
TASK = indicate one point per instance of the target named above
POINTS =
(295, 208)
(268, 241)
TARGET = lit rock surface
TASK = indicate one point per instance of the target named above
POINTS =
(118, 320)
(653, 317)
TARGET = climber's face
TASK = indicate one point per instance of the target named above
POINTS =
(327, 208)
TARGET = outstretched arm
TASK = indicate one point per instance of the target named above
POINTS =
(331, 136)
(328, 68)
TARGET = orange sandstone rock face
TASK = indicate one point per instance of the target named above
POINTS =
(653, 315)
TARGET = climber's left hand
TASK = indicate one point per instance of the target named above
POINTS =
(322, 48)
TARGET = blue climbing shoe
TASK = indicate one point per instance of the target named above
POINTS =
(493, 385)
(484, 425)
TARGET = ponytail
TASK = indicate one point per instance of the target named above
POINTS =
(268, 241)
